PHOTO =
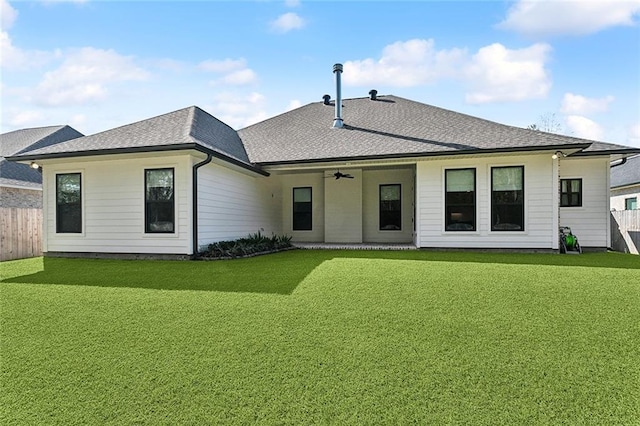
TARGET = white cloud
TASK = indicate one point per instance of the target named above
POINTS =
(8, 15)
(293, 104)
(236, 72)
(580, 105)
(557, 17)
(25, 118)
(404, 64)
(19, 59)
(239, 110)
(85, 76)
(223, 66)
(494, 74)
(240, 78)
(633, 135)
(498, 74)
(287, 22)
(582, 127)
(292, 3)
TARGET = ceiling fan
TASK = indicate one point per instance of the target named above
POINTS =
(339, 175)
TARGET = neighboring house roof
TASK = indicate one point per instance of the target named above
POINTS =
(18, 141)
(626, 174)
(187, 128)
(390, 126)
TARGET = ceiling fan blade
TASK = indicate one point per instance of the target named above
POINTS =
(347, 176)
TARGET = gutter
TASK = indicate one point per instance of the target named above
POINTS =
(425, 154)
(194, 200)
(623, 161)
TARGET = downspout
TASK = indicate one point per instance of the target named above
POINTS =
(194, 206)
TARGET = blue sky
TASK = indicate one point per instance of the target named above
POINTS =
(99, 64)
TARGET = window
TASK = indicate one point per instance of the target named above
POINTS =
(159, 201)
(570, 192)
(302, 212)
(390, 208)
(631, 203)
(68, 203)
(460, 199)
(507, 198)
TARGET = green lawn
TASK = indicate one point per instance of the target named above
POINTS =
(315, 337)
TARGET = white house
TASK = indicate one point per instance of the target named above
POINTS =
(625, 185)
(377, 169)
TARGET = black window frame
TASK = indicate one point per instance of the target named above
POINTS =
(500, 199)
(450, 202)
(171, 202)
(385, 219)
(570, 198)
(65, 209)
(302, 211)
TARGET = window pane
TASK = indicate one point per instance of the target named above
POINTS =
(389, 192)
(570, 192)
(461, 180)
(68, 203)
(460, 200)
(159, 202)
(302, 209)
(631, 203)
(507, 198)
(390, 207)
(301, 195)
(507, 178)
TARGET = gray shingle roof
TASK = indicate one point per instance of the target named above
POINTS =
(626, 174)
(18, 141)
(390, 126)
(189, 126)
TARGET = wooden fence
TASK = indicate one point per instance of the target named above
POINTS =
(625, 231)
(20, 233)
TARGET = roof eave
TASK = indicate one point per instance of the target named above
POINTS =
(426, 154)
(140, 149)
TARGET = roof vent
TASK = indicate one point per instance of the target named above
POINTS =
(338, 122)
(374, 94)
(327, 99)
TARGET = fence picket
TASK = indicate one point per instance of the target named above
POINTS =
(625, 231)
(20, 233)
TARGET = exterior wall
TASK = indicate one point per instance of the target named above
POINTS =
(540, 192)
(619, 195)
(233, 204)
(316, 181)
(21, 198)
(590, 223)
(372, 179)
(113, 205)
(343, 208)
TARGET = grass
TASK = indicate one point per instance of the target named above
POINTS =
(314, 337)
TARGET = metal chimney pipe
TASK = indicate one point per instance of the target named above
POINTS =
(338, 122)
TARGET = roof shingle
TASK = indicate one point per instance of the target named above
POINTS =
(19, 141)
(388, 126)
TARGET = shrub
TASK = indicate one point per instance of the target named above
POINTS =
(252, 244)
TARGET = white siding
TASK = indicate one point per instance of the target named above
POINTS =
(316, 181)
(372, 179)
(618, 196)
(233, 204)
(539, 191)
(343, 208)
(113, 205)
(589, 222)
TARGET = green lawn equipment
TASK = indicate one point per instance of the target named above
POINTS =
(569, 242)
